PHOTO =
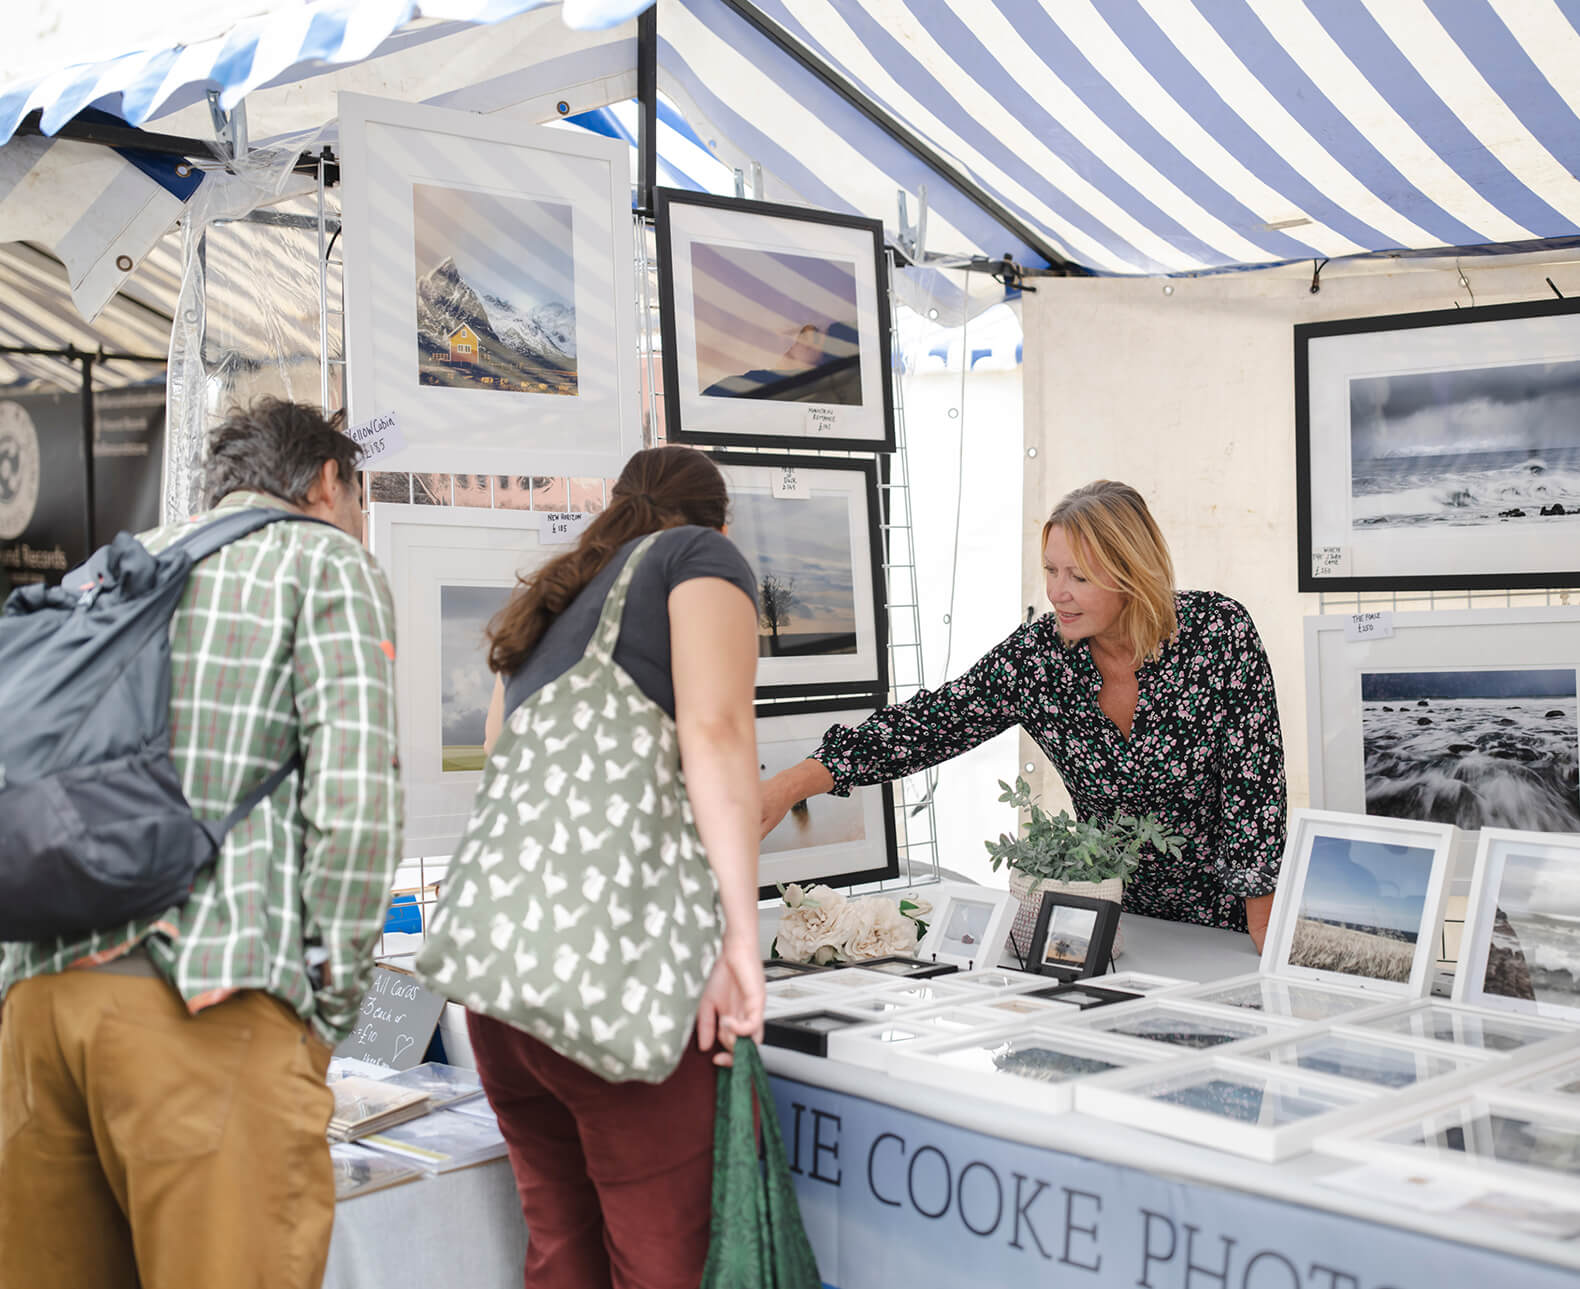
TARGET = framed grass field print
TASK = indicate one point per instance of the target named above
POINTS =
(488, 290)
(775, 324)
(1359, 902)
(450, 570)
(1439, 450)
(809, 527)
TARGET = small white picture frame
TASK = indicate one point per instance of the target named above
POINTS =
(1520, 951)
(1271, 996)
(1176, 1027)
(1359, 903)
(1474, 1028)
(968, 925)
(489, 295)
(435, 557)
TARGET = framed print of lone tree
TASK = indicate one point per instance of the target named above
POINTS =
(775, 323)
(488, 290)
(1440, 450)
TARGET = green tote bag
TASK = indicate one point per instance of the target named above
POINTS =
(580, 907)
(757, 1241)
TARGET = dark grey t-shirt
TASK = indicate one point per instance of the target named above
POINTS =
(678, 555)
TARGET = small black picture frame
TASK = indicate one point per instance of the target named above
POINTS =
(903, 966)
(1083, 995)
(1074, 936)
(807, 1032)
(783, 969)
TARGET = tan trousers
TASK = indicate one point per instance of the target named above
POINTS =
(140, 1145)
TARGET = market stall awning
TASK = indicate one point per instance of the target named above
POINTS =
(1154, 136)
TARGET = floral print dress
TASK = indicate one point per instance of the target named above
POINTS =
(1205, 754)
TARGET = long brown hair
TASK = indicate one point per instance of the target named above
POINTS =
(1119, 546)
(659, 488)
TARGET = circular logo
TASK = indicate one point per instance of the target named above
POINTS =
(18, 470)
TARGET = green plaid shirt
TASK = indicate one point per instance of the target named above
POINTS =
(284, 640)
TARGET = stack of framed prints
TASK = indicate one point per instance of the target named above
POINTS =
(1465, 718)
(450, 571)
(488, 290)
(1439, 450)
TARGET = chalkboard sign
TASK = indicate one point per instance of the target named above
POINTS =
(397, 1019)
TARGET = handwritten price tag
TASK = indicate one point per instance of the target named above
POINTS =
(788, 485)
(821, 420)
(1369, 626)
(1331, 561)
(378, 438)
(561, 528)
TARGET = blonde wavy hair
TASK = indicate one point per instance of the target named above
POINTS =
(1117, 545)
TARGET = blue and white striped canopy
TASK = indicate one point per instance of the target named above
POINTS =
(1160, 136)
(1115, 136)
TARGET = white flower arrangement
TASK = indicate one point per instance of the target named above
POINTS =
(822, 925)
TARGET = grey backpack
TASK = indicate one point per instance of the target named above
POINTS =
(94, 827)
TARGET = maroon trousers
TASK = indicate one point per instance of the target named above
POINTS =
(616, 1179)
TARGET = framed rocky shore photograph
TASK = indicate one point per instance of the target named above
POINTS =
(1461, 717)
(775, 325)
(809, 527)
(488, 290)
(1359, 901)
(1439, 450)
(1521, 948)
(450, 569)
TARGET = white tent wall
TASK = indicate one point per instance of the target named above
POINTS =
(1185, 388)
(967, 809)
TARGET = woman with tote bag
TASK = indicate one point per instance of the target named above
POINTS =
(580, 907)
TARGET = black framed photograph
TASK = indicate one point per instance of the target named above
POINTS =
(775, 325)
(1074, 936)
(904, 967)
(1083, 996)
(1440, 450)
(811, 529)
(837, 841)
(782, 969)
(808, 1031)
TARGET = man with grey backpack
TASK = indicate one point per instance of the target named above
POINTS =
(193, 888)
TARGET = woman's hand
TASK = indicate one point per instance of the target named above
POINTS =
(732, 1000)
(1258, 908)
(802, 780)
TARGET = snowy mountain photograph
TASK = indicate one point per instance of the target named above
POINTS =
(495, 291)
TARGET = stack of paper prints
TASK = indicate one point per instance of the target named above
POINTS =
(445, 1085)
(442, 1142)
(359, 1171)
(371, 1105)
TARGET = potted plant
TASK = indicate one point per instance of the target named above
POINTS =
(1072, 856)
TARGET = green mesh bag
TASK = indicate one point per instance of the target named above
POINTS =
(758, 1241)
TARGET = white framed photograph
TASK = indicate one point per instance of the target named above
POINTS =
(1261, 1113)
(1464, 717)
(1032, 1067)
(488, 290)
(1168, 1024)
(816, 546)
(968, 925)
(1520, 951)
(775, 325)
(1294, 999)
(1439, 450)
(450, 570)
(1389, 1064)
(1467, 1027)
(1140, 982)
(836, 841)
(1359, 902)
(1558, 1079)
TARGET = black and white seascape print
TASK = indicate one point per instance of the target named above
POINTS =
(1535, 949)
(1474, 447)
(1479, 748)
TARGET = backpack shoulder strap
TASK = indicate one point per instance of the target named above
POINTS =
(217, 533)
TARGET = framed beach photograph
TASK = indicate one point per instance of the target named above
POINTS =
(775, 325)
(1378, 1062)
(1521, 948)
(838, 841)
(450, 570)
(488, 290)
(810, 528)
(1296, 999)
(1074, 936)
(1464, 1027)
(1177, 1024)
(1359, 902)
(968, 925)
(1439, 450)
(1465, 718)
